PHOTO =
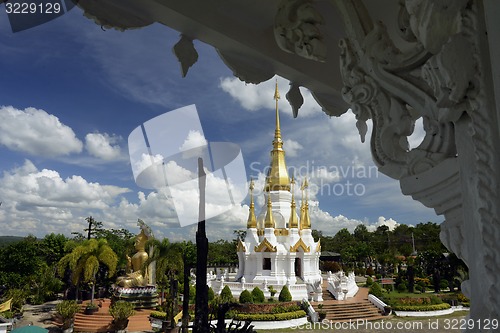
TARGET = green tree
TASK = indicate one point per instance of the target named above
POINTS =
(169, 263)
(85, 259)
(52, 248)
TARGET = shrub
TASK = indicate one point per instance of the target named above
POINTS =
(66, 310)
(370, 271)
(461, 298)
(284, 309)
(18, 299)
(226, 296)
(272, 291)
(158, 315)
(443, 284)
(331, 266)
(121, 310)
(436, 300)
(246, 297)
(258, 295)
(211, 294)
(401, 287)
(466, 304)
(369, 281)
(322, 314)
(285, 295)
(376, 290)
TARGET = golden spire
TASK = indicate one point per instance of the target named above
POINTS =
(305, 221)
(293, 222)
(269, 221)
(252, 221)
(277, 176)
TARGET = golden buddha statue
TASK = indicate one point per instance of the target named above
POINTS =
(136, 278)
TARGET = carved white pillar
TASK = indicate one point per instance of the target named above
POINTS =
(443, 75)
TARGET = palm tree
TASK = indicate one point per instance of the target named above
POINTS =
(169, 266)
(84, 261)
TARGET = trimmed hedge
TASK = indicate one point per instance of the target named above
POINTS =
(285, 295)
(269, 316)
(226, 295)
(435, 307)
(376, 290)
(258, 295)
(246, 297)
(211, 294)
(158, 315)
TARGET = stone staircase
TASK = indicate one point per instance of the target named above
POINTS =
(354, 308)
(101, 320)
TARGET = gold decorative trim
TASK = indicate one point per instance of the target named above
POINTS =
(318, 247)
(281, 232)
(300, 244)
(260, 232)
(265, 246)
(241, 247)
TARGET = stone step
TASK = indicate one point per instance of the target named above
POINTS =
(101, 321)
(352, 310)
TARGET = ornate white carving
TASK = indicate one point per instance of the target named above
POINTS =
(296, 29)
(186, 53)
(440, 78)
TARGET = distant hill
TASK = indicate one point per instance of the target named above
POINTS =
(6, 240)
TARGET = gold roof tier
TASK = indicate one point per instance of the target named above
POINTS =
(277, 176)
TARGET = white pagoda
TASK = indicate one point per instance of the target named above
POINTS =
(278, 248)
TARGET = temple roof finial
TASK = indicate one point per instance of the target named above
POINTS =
(293, 222)
(277, 176)
(305, 221)
(269, 221)
(252, 220)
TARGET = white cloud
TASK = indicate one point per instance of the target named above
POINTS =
(36, 132)
(292, 147)
(256, 97)
(41, 201)
(103, 146)
(194, 139)
(383, 221)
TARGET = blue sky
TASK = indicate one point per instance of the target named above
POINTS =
(72, 93)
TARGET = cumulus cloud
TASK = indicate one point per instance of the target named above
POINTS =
(103, 146)
(194, 139)
(28, 186)
(36, 132)
(256, 97)
(292, 147)
(383, 221)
